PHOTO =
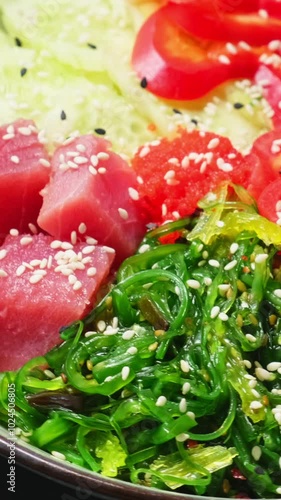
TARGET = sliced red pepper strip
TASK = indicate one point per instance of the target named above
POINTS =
(204, 20)
(173, 64)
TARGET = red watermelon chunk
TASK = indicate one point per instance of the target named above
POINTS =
(91, 191)
(24, 171)
(45, 284)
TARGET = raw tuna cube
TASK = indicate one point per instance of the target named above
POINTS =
(92, 188)
(24, 171)
(45, 284)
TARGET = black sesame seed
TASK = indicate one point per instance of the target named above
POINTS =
(238, 105)
(194, 121)
(18, 42)
(100, 131)
(259, 470)
(91, 45)
(23, 71)
(143, 83)
(63, 115)
(177, 111)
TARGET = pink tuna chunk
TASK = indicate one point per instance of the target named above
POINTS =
(24, 172)
(43, 288)
(93, 188)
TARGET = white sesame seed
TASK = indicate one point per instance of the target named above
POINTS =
(3, 253)
(15, 159)
(35, 278)
(230, 265)
(81, 148)
(260, 258)
(183, 405)
(33, 228)
(108, 249)
(186, 387)
(213, 143)
(49, 374)
(44, 162)
(101, 325)
(223, 316)
(6, 137)
(256, 405)
(10, 129)
(263, 13)
(77, 285)
(55, 244)
(92, 170)
(185, 162)
(273, 366)
(233, 248)
(220, 223)
(125, 372)
(277, 293)
(88, 249)
(193, 284)
(214, 263)
(214, 312)
(277, 417)
(256, 452)
(90, 240)
(170, 174)
(224, 59)
(123, 213)
(24, 131)
(263, 374)
(185, 367)
(65, 245)
(94, 160)
(161, 401)
(208, 281)
(102, 170)
(245, 46)
(145, 150)
(128, 334)
(252, 383)
(3, 273)
(247, 363)
(58, 454)
(134, 195)
(231, 48)
(250, 337)
(278, 490)
(224, 166)
(26, 240)
(102, 155)
(274, 45)
(82, 228)
(182, 437)
(92, 271)
(132, 350)
(14, 232)
(80, 160)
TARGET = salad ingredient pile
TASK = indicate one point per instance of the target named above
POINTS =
(176, 368)
(140, 155)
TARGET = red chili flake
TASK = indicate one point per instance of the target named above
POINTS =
(244, 257)
(246, 270)
(170, 238)
(241, 495)
(152, 127)
(237, 474)
(191, 443)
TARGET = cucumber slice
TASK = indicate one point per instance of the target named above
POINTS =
(78, 60)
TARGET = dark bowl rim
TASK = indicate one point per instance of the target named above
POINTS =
(68, 474)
